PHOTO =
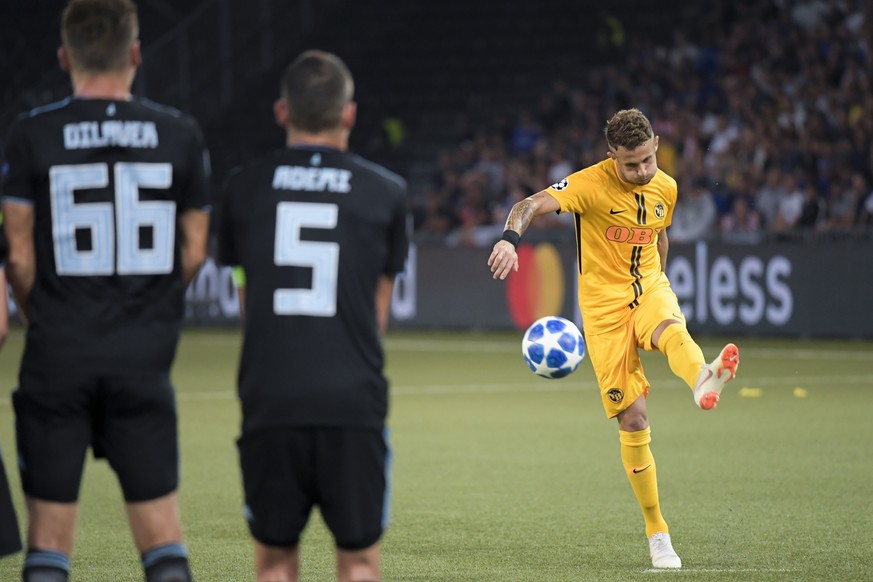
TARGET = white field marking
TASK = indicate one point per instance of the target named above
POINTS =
(714, 570)
(509, 346)
(490, 346)
(514, 388)
(447, 345)
(544, 385)
(564, 385)
(808, 354)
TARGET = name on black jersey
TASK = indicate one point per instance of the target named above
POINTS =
(98, 134)
(312, 179)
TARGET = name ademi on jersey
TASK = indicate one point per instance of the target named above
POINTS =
(312, 179)
(113, 132)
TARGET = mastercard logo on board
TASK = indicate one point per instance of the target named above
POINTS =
(537, 288)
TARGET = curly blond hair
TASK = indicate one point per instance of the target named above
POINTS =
(629, 129)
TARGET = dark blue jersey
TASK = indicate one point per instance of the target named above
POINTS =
(108, 181)
(314, 229)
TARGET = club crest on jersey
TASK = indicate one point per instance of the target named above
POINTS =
(560, 185)
(615, 395)
(659, 210)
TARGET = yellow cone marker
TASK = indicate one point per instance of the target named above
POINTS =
(746, 392)
(800, 392)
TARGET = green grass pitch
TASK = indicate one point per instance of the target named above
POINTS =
(500, 475)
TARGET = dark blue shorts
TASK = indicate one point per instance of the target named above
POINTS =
(129, 418)
(344, 471)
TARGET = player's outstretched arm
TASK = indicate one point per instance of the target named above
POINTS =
(384, 288)
(18, 224)
(503, 258)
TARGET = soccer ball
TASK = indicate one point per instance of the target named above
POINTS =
(553, 347)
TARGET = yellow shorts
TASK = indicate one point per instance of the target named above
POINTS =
(614, 354)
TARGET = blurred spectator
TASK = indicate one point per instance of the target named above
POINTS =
(435, 216)
(769, 195)
(812, 211)
(695, 214)
(846, 206)
(867, 212)
(525, 134)
(742, 224)
(790, 206)
(773, 105)
(559, 168)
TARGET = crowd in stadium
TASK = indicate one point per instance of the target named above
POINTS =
(765, 120)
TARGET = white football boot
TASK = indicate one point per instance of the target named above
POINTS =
(662, 552)
(714, 376)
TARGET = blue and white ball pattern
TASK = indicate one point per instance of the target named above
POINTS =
(553, 347)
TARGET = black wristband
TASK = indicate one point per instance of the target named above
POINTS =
(511, 236)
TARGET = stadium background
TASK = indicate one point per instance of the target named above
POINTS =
(765, 112)
(500, 475)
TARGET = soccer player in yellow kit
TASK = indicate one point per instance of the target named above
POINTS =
(622, 207)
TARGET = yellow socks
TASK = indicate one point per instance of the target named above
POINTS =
(639, 464)
(683, 355)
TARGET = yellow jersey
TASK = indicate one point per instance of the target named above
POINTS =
(617, 227)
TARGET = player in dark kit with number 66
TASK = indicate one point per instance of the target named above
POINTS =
(320, 234)
(106, 206)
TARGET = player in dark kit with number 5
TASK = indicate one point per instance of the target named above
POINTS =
(106, 206)
(320, 234)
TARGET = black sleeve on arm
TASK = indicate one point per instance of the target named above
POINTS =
(15, 177)
(398, 235)
(196, 194)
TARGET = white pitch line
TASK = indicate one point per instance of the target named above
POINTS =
(488, 346)
(497, 347)
(544, 385)
(564, 385)
(813, 355)
(714, 570)
(572, 386)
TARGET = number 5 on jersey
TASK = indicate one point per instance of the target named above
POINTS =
(322, 257)
(112, 224)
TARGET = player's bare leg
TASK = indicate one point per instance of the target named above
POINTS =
(715, 375)
(50, 536)
(157, 533)
(156, 522)
(51, 526)
(276, 564)
(359, 565)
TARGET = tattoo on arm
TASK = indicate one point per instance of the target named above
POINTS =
(521, 215)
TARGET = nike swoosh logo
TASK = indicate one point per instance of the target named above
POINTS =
(611, 211)
(641, 470)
